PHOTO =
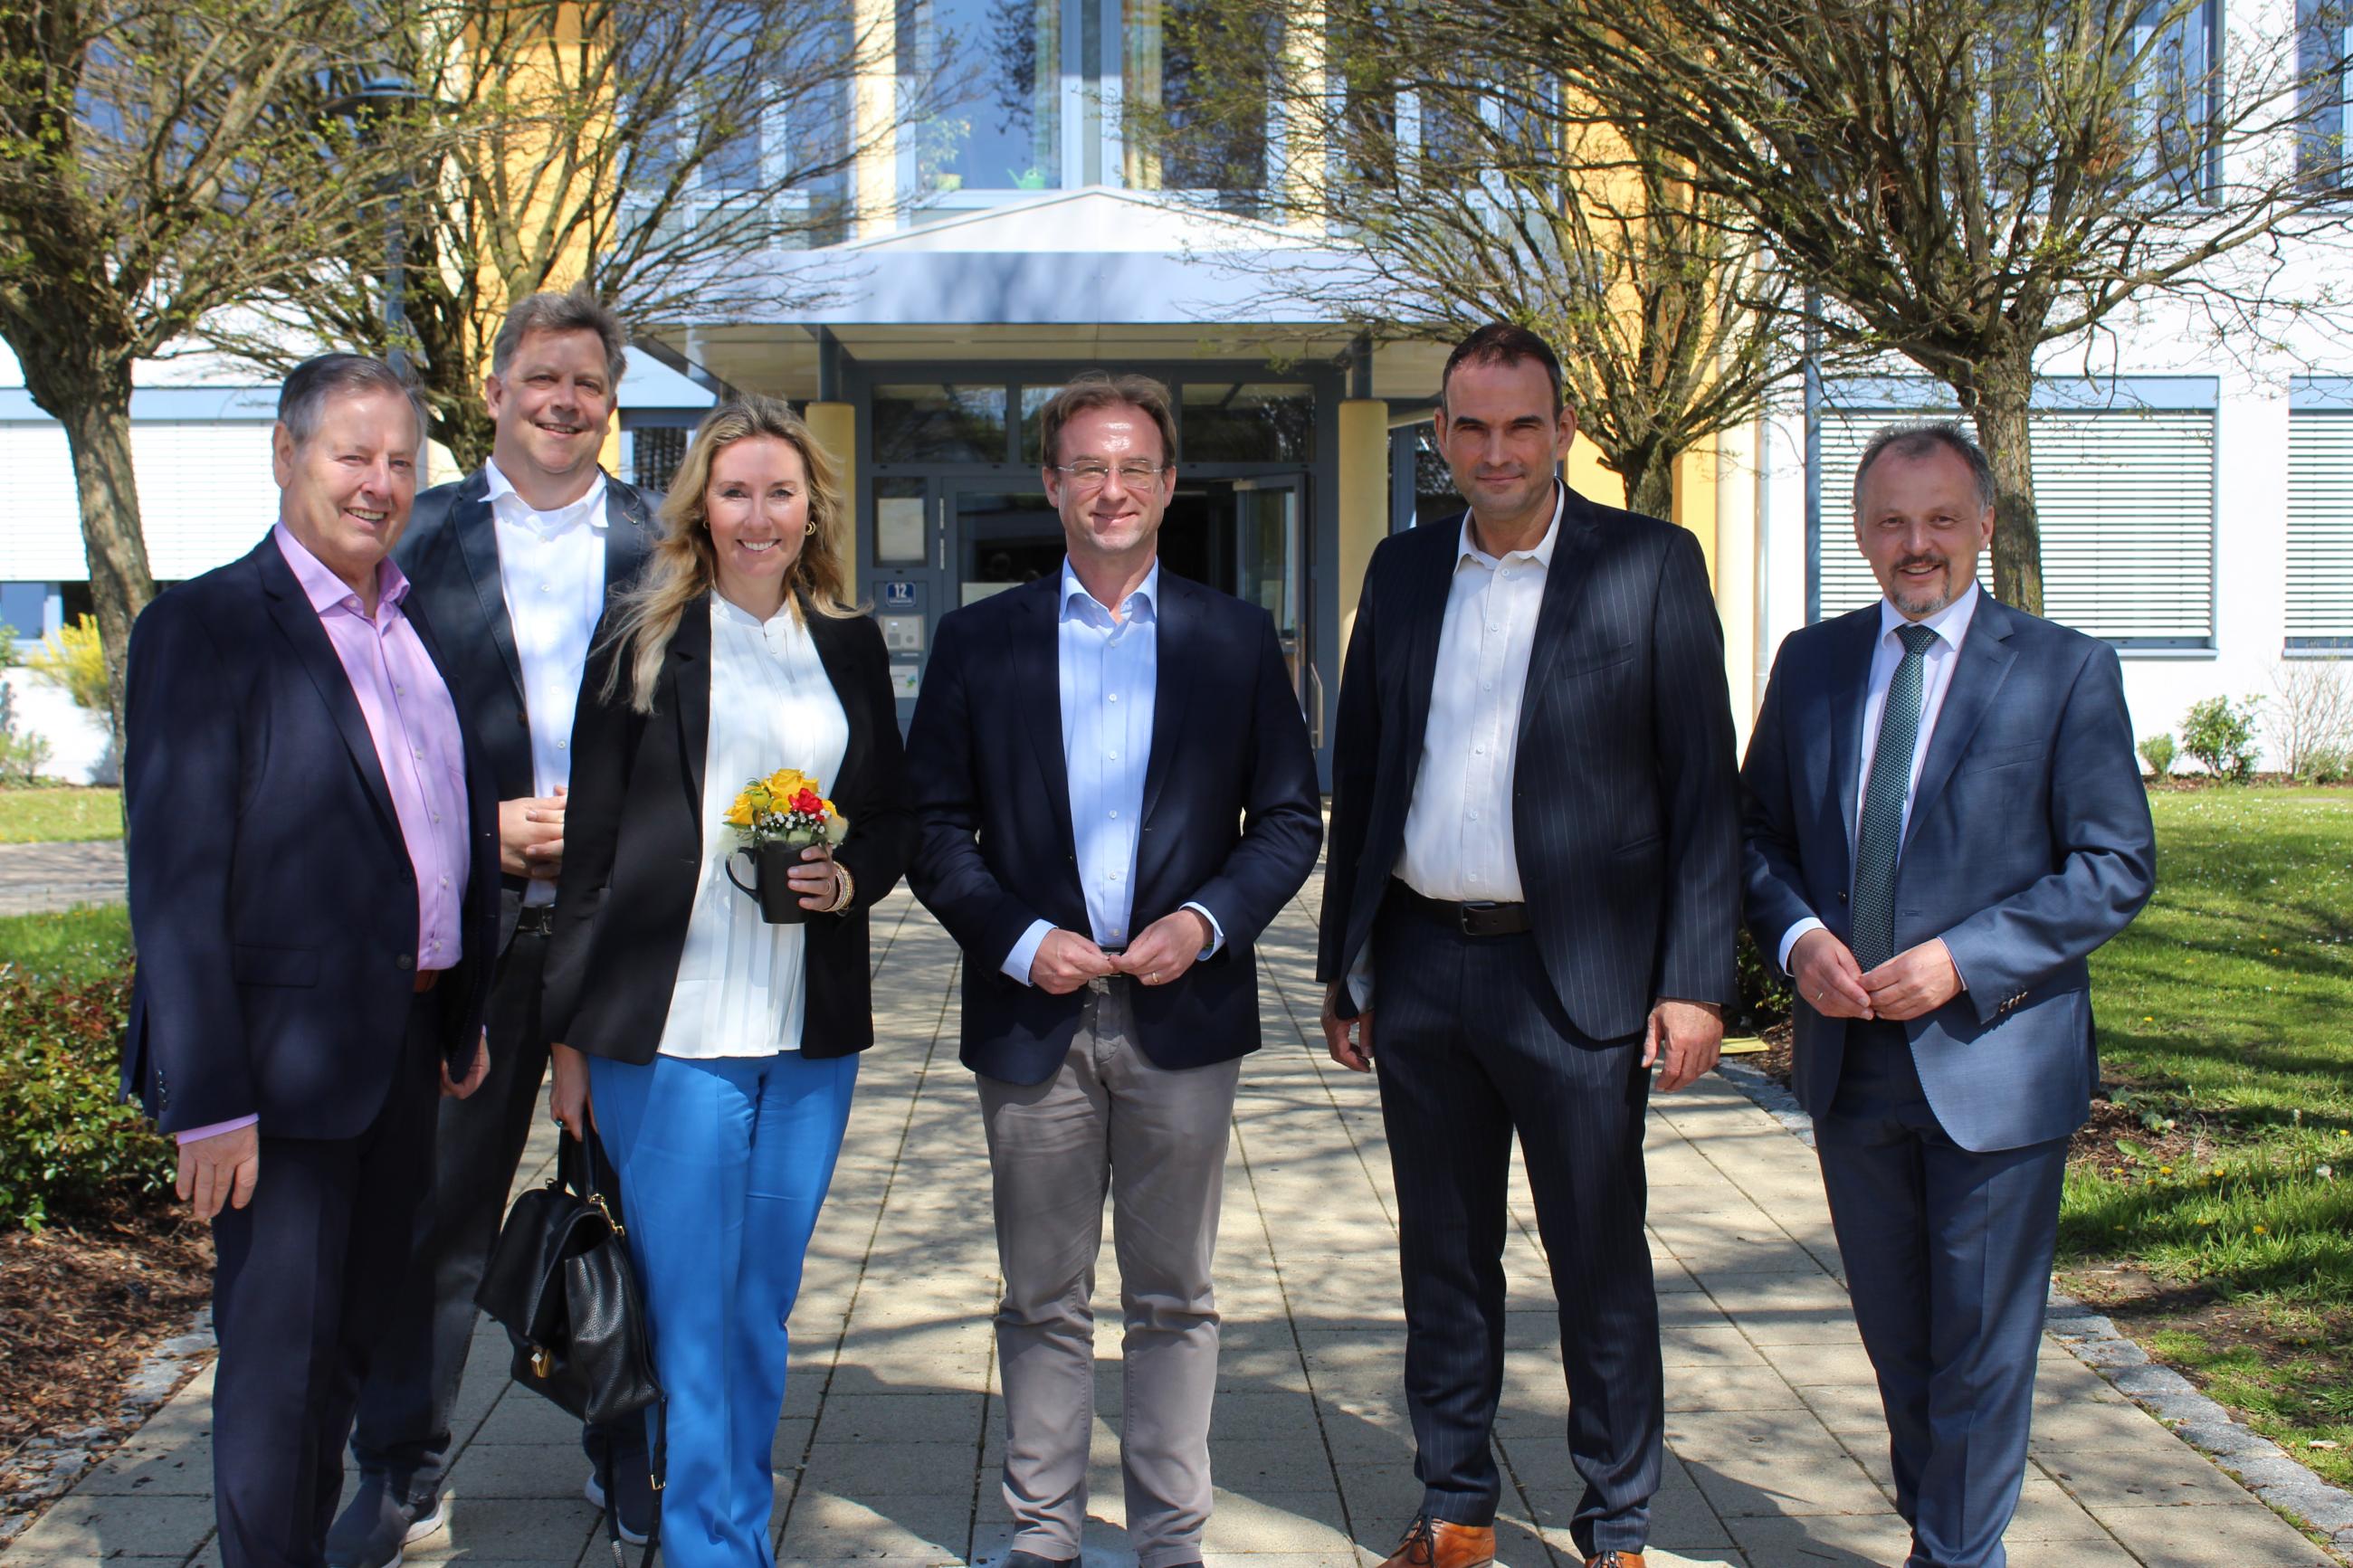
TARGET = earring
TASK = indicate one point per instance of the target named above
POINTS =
(808, 529)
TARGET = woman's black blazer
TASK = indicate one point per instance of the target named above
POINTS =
(633, 843)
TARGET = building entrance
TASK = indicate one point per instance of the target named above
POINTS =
(946, 541)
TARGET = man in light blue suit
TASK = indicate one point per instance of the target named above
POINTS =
(1943, 818)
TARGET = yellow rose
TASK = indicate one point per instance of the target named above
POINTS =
(740, 814)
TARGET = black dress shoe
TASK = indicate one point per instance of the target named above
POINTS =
(379, 1522)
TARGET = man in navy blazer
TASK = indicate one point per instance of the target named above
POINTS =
(1117, 796)
(513, 564)
(313, 872)
(1943, 818)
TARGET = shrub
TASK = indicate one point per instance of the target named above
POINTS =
(74, 658)
(2313, 717)
(2220, 734)
(1765, 994)
(2326, 764)
(2157, 751)
(68, 1151)
(21, 755)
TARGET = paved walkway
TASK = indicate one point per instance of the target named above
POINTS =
(886, 1452)
(37, 878)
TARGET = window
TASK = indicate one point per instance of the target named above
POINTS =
(2320, 61)
(988, 75)
(655, 453)
(2320, 529)
(2126, 502)
(1210, 146)
(1225, 422)
(939, 424)
(2176, 96)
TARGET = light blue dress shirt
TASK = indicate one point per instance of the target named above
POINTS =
(1110, 674)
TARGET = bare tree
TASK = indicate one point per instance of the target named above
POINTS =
(1965, 184)
(158, 162)
(657, 148)
(1465, 194)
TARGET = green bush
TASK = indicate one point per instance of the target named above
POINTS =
(2326, 764)
(1765, 994)
(2220, 734)
(68, 1151)
(74, 659)
(2158, 751)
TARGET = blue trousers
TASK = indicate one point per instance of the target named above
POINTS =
(1947, 1257)
(725, 1163)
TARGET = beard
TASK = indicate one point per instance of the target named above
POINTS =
(1921, 599)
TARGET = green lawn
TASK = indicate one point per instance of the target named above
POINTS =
(52, 816)
(2214, 1217)
(76, 945)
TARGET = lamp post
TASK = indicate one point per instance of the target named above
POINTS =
(383, 92)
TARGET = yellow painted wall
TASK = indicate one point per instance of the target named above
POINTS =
(1364, 506)
(835, 426)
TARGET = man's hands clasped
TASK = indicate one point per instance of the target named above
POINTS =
(1160, 955)
(1912, 984)
(531, 837)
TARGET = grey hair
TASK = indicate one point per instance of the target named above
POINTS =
(302, 400)
(575, 310)
(1917, 438)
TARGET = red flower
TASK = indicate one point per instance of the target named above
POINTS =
(809, 804)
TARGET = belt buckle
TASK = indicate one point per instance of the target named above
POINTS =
(1468, 915)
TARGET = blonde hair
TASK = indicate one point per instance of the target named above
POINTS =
(683, 566)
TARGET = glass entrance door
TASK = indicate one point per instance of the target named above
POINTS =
(1000, 536)
(1270, 571)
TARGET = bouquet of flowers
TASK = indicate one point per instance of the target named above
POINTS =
(787, 808)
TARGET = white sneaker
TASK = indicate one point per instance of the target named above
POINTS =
(595, 1492)
(421, 1528)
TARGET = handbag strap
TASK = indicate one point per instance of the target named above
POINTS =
(657, 1457)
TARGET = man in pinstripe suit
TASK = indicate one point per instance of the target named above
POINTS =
(1535, 867)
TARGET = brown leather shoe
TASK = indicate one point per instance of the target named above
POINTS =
(1615, 1560)
(1441, 1543)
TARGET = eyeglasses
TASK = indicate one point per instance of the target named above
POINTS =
(1088, 474)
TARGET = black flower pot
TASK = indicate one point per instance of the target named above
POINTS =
(772, 865)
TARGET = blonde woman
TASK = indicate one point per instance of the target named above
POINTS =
(714, 1052)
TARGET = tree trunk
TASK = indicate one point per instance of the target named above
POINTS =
(1651, 487)
(93, 402)
(1999, 405)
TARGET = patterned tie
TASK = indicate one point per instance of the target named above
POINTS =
(1879, 840)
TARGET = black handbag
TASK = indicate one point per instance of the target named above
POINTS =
(561, 1283)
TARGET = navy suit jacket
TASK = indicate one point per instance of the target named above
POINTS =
(272, 901)
(1625, 805)
(2030, 844)
(450, 551)
(1231, 817)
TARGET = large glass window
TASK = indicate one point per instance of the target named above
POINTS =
(1231, 422)
(939, 424)
(2320, 60)
(988, 75)
(1215, 128)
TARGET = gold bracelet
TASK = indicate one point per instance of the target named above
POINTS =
(848, 889)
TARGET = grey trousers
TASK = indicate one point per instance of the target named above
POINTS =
(1155, 1140)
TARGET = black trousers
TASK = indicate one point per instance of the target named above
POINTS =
(1947, 1256)
(1472, 1050)
(405, 1407)
(303, 1276)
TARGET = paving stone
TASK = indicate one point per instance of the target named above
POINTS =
(2211, 1538)
(82, 1527)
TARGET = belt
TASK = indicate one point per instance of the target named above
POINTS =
(536, 920)
(1479, 916)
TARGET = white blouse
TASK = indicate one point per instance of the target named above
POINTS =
(741, 987)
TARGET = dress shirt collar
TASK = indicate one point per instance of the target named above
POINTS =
(1540, 554)
(1142, 605)
(728, 610)
(507, 503)
(324, 588)
(1951, 622)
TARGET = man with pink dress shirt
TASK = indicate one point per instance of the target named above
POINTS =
(313, 869)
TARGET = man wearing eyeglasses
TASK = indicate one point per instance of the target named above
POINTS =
(1117, 795)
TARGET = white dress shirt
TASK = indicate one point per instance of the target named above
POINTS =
(552, 571)
(1109, 676)
(740, 990)
(1950, 624)
(1458, 843)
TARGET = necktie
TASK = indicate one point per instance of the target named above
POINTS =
(1879, 841)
